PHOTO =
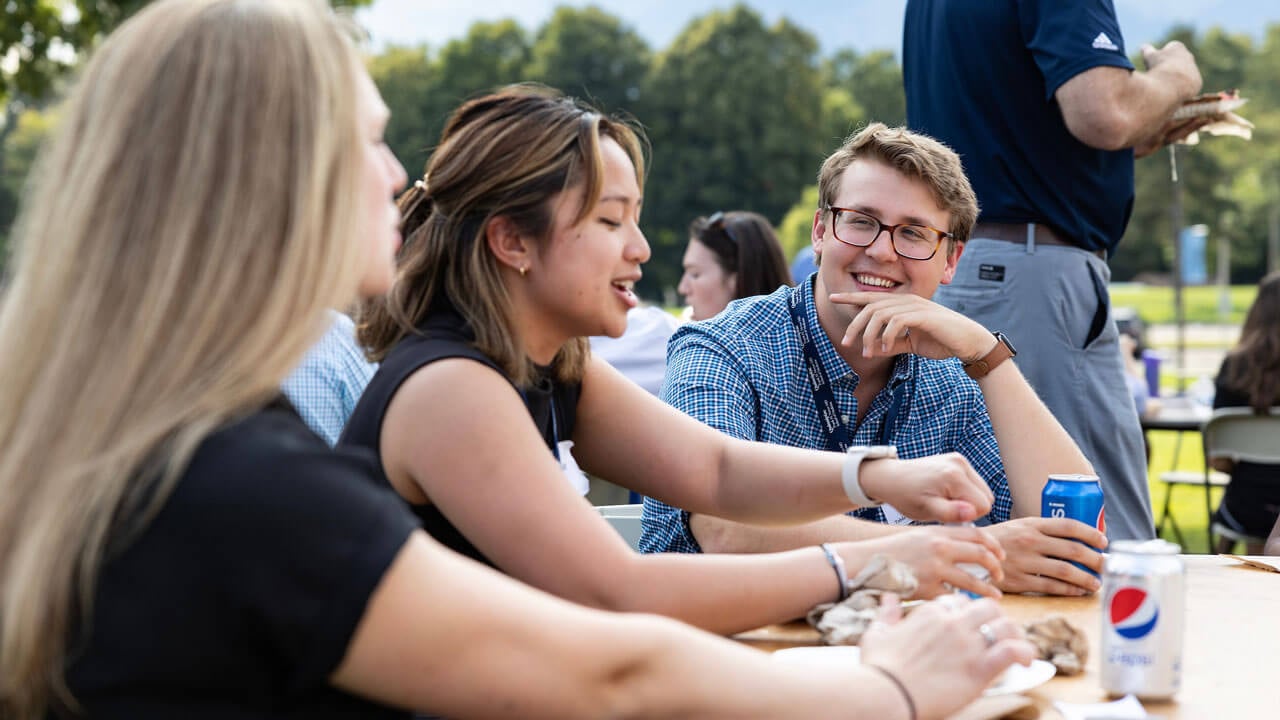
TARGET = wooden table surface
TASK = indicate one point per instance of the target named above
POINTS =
(1231, 650)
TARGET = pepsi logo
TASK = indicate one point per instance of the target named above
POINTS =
(1133, 613)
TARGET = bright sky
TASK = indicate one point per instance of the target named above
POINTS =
(861, 24)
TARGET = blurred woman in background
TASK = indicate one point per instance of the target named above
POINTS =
(1250, 377)
(730, 255)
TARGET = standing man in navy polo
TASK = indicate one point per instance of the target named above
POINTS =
(1046, 112)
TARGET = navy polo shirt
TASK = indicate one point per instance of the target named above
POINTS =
(980, 76)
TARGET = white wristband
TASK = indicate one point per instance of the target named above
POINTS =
(849, 474)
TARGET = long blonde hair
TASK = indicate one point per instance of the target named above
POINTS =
(508, 153)
(187, 226)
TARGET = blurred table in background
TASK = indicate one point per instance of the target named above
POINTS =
(1177, 413)
(1182, 415)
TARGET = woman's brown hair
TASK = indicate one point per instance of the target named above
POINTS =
(1254, 368)
(506, 154)
(744, 245)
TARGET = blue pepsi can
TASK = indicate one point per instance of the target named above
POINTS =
(1078, 497)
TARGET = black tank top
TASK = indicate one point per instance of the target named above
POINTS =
(445, 334)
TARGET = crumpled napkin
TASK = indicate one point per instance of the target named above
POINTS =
(1059, 642)
(1218, 106)
(843, 623)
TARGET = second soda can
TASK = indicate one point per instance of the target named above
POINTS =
(1078, 497)
(1143, 593)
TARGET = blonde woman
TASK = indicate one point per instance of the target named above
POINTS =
(174, 543)
(521, 241)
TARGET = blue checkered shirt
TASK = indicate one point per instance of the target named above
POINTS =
(327, 385)
(742, 372)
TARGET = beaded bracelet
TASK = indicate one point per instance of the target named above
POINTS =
(837, 564)
(911, 704)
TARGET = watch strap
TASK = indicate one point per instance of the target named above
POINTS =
(981, 367)
(853, 462)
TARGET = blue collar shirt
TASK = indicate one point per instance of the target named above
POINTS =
(327, 385)
(742, 372)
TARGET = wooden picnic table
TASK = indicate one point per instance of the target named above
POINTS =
(1230, 650)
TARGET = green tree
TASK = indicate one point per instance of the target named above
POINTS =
(28, 131)
(796, 228)
(874, 81)
(590, 54)
(841, 116)
(731, 111)
(1260, 186)
(40, 40)
(491, 55)
(422, 91)
(408, 82)
(45, 38)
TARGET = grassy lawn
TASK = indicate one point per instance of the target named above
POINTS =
(1187, 505)
(1200, 303)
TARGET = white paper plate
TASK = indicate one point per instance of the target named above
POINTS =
(1014, 680)
(1021, 679)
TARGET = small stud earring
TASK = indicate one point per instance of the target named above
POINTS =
(523, 270)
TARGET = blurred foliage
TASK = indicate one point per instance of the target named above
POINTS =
(590, 54)
(726, 108)
(27, 131)
(40, 41)
(45, 38)
(873, 79)
(796, 228)
(740, 116)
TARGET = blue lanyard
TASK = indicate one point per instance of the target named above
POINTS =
(836, 432)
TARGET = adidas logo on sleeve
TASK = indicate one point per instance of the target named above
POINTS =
(1102, 42)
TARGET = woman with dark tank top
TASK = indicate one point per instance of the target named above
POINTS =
(521, 240)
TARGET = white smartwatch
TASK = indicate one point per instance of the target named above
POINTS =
(856, 455)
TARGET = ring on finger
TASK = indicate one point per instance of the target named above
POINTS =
(988, 635)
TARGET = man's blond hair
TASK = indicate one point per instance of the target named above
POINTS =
(917, 156)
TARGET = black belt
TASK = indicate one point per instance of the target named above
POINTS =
(1017, 233)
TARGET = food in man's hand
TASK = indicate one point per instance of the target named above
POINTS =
(1218, 109)
(1210, 104)
(1059, 642)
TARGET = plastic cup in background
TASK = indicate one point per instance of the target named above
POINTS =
(1151, 367)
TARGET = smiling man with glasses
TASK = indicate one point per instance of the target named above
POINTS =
(859, 359)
